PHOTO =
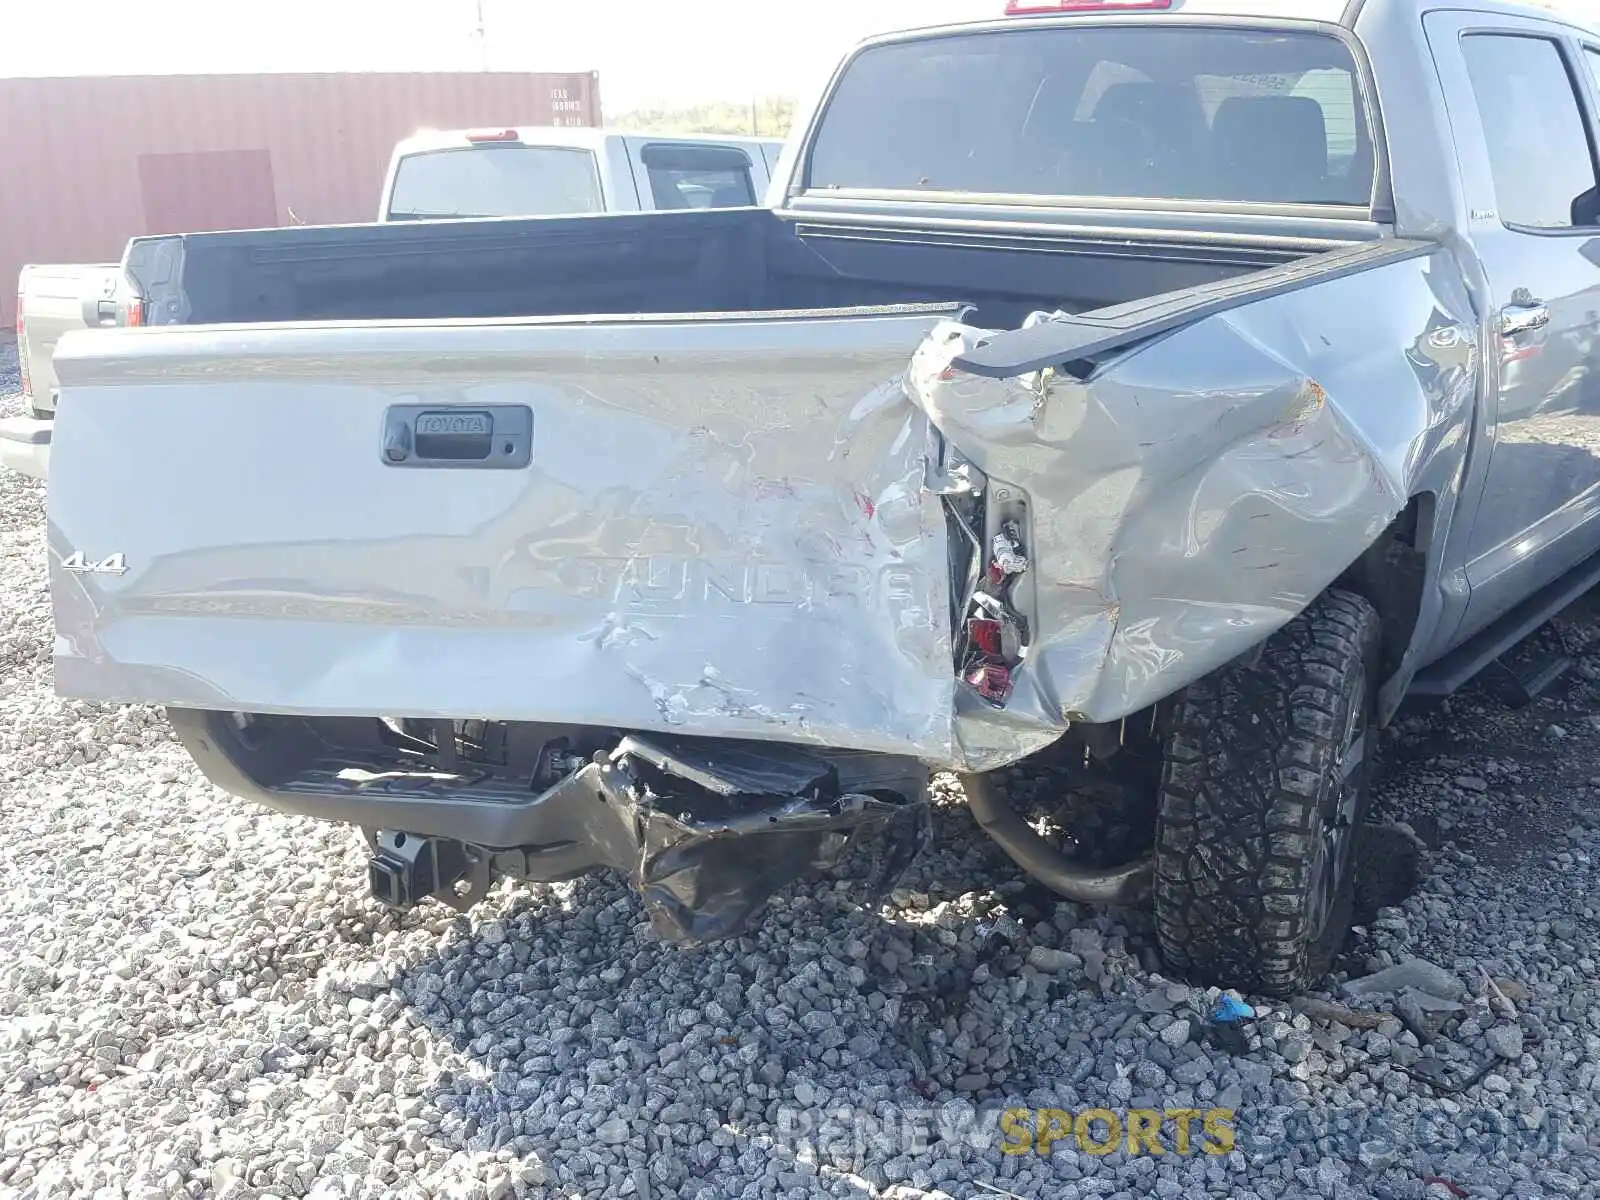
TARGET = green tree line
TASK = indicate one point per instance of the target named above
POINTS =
(765, 116)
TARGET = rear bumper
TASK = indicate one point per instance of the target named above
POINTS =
(705, 831)
(303, 769)
(25, 445)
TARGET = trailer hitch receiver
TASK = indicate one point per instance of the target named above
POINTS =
(406, 869)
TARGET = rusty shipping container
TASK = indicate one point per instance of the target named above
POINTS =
(88, 162)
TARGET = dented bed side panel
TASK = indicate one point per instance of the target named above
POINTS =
(1195, 494)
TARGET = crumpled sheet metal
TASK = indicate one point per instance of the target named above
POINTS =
(702, 880)
(724, 530)
(1195, 495)
(705, 845)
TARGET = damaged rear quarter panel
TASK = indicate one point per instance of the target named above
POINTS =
(1194, 494)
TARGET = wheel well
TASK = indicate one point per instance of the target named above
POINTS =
(1391, 574)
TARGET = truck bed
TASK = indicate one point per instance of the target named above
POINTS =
(720, 261)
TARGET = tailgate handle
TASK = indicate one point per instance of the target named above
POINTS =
(481, 437)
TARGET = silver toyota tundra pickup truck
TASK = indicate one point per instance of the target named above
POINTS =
(1175, 384)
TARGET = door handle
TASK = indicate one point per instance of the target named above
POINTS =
(1523, 318)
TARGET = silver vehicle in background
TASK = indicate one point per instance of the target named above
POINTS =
(51, 300)
(545, 171)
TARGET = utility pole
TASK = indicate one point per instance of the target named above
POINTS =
(483, 39)
(755, 116)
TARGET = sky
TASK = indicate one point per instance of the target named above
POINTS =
(647, 51)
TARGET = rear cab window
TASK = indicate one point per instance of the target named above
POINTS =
(505, 180)
(688, 176)
(1103, 113)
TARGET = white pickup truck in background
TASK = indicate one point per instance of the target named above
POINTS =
(560, 172)
(436, 175)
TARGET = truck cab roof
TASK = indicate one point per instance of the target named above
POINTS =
(1329, 11)
(1326, 12)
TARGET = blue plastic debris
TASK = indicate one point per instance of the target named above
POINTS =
(1230, 1010)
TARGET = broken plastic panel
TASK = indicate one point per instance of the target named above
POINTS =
(992, 681)
(995, 633)
(707, 832)
(1008, 556)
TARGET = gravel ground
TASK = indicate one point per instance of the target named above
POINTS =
(196, 998)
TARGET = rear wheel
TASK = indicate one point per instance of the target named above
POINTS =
(1264, 786)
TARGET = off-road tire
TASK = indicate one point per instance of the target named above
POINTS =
(1253, 780)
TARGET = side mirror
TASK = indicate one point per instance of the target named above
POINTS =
(1586, 209)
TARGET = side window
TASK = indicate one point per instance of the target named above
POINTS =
(1538, 146)
(698, 176)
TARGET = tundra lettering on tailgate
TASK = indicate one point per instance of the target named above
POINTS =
(666, 579)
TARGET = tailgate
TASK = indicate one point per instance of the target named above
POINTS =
(709, 524)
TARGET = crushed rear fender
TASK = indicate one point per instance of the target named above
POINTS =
(1185, 498)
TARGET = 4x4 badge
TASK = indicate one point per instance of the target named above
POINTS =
(114, 565)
